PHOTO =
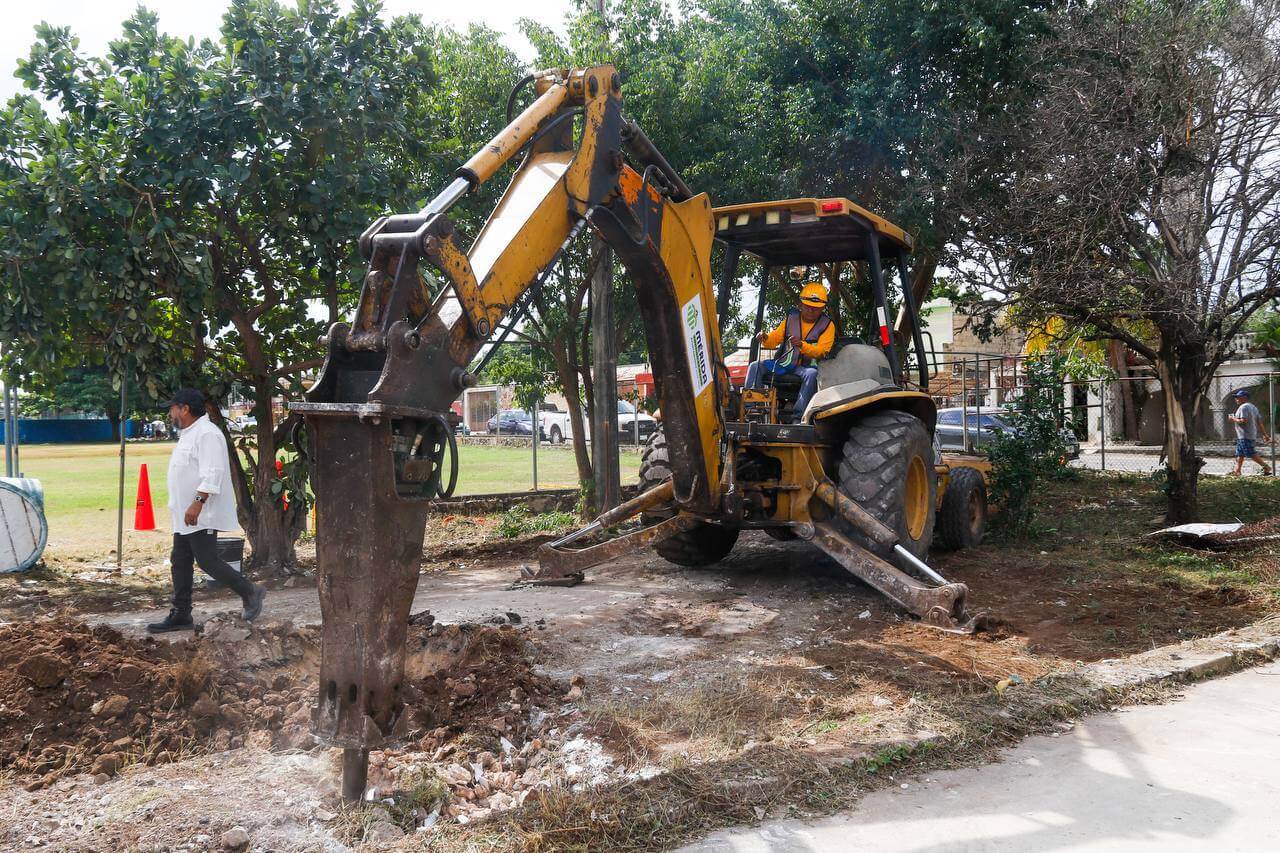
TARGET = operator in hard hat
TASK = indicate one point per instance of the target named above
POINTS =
(805, 335)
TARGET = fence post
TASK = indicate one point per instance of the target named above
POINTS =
(9, 468)
(1271, 411)
(1102, 419)
(12, 429)
(964, 406)
(537, 429)
(977, 398)
(124, 425)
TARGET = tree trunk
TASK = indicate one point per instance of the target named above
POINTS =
(1179, 369)
(331, 296)
(270, 529)
(113, 418)
(568, 378)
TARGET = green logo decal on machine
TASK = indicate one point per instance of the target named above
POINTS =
(695, 345)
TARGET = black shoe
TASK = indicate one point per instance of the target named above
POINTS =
(253, 602)
(175, 621)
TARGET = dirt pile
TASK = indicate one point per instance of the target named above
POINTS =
(491, 728)
(80, 699)
(474, 680)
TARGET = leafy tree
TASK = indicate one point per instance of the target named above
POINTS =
(1146, 204)
(523, 369)
(1032, 450)
(778, 98)
(189, 204)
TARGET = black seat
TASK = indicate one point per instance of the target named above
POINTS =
(841, 342)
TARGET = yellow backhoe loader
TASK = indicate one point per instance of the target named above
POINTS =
(856, 473)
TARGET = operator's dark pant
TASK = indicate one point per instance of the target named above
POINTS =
(808, 381)
(200, 547)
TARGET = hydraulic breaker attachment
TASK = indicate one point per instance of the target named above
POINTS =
(368, 572)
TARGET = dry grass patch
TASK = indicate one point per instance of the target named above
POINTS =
(777, 778)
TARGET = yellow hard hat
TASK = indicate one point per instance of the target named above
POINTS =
(814, 293)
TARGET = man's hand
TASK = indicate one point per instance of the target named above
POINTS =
(795, 341)
(192, 515)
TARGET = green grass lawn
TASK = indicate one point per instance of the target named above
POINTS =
(483, 470)
(81, 481)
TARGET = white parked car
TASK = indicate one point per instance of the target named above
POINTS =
(557, 427)
(246, 423)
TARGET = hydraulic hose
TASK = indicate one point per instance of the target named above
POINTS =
(515, 91)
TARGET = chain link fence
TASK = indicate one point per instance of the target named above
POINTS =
(1113, 424)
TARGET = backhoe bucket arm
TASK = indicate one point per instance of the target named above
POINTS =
(378, 431)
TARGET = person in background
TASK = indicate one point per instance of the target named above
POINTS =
(808, 334)
(200, 504)
(1248, 421)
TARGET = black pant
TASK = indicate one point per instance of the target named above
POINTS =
(200, 547)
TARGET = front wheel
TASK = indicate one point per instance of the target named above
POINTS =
(886, 467)
(699, 546)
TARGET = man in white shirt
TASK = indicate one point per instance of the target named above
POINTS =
(200, 504)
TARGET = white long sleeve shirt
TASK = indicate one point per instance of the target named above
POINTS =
(200, 464)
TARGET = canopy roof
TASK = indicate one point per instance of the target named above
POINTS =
(799, 231)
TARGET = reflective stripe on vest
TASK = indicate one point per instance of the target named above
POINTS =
(815, 332)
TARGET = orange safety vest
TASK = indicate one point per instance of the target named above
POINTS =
(815, 333)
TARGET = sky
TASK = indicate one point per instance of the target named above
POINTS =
(97, 22)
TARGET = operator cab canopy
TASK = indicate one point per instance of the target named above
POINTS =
(807, 232)
(802, 231)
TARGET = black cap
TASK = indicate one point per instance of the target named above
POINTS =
(192, 398)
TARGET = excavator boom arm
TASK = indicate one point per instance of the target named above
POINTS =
(377, 428)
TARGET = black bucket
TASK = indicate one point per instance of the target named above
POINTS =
(231, 550)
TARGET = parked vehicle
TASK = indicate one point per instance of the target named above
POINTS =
(982, 426)
(557, 426)
(513, 422)
(244, 423)
(554, 423)
(460, 425)
(634, 427)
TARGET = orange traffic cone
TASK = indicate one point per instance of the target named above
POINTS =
(143, 517)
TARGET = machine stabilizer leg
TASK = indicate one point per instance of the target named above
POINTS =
(940, 607)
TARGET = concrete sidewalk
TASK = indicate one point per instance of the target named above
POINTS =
(1202, 773)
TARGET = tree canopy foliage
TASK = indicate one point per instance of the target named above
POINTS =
(195, 203)
(190, 206)
(1146, 203)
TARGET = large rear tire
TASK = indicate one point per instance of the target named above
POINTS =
(699, 546)
(962, 518)
(887, 467)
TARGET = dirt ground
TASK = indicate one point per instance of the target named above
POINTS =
(564, 707)
(84, 584)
